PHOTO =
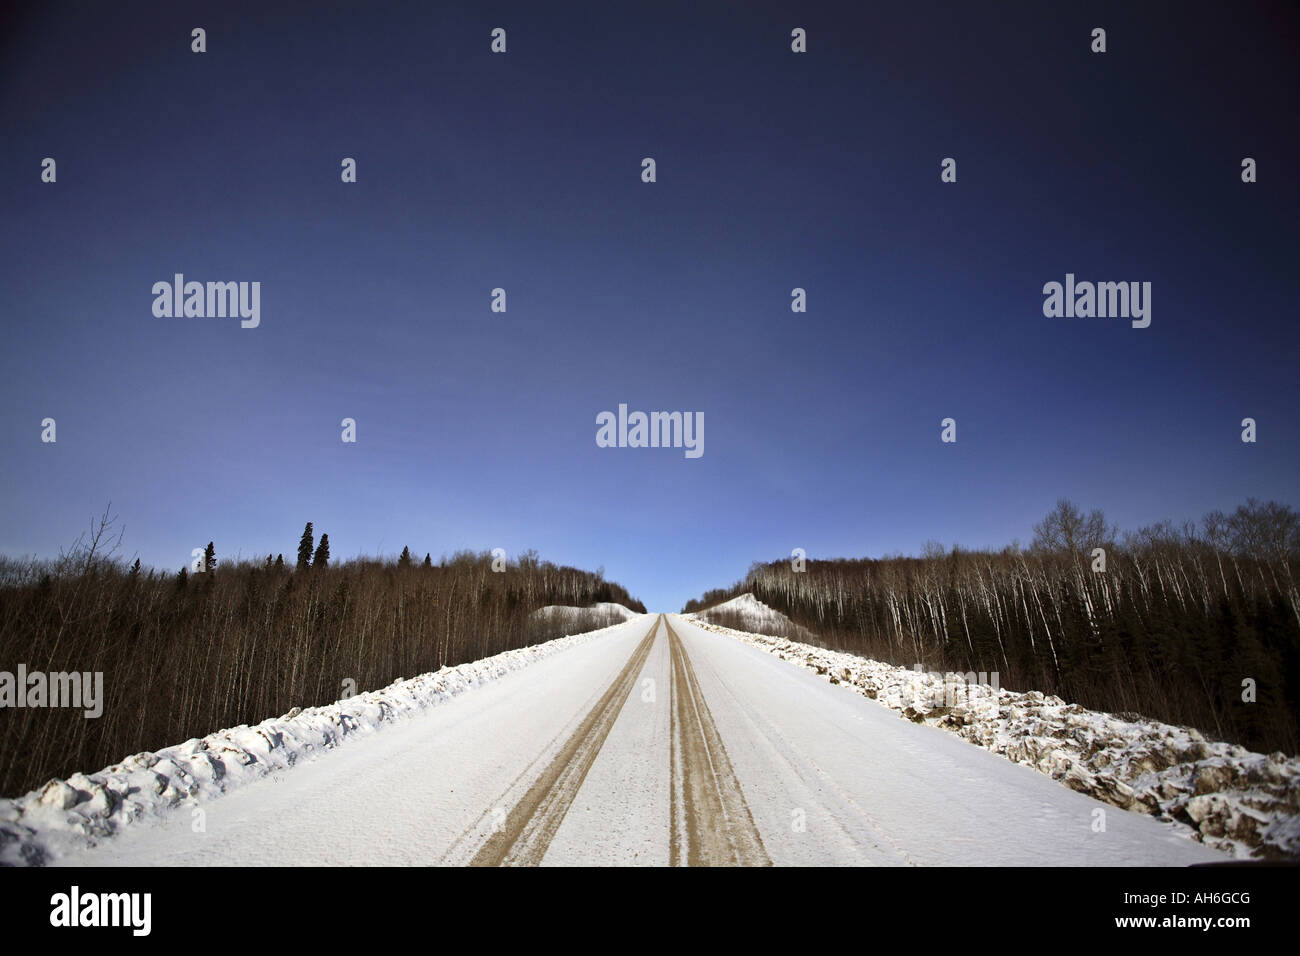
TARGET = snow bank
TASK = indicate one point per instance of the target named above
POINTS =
(746, 613)
(1235, 800)
(756, 615)
(79, 811)
(607, 610)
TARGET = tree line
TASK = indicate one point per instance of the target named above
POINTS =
(1195, 624)
(222, 644)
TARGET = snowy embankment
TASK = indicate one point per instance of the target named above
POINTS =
(745, 607)
(604, 611)
(1235, 800)
(85, 808)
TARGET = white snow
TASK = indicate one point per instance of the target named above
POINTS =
(607, 610)
(746, 613)
(1236, 800)
(422, 792)
(833, 778)
(753, 612)
(85, 808)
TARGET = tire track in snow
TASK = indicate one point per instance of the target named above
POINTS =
(529, 827)
(711, 824)
(840, 803)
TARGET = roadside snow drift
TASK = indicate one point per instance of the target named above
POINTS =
(81, 810)
(1234, 799)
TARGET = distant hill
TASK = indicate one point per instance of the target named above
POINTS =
(561, 620)
(746, 613)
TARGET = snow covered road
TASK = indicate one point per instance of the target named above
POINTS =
(658, 743)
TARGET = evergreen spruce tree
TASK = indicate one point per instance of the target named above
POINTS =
(405, 560)
(305, 547)
(428, 562)
(210, 558)
(322, 559)
(279, 561)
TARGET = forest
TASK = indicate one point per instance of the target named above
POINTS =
(1195, 624)
(230, 642)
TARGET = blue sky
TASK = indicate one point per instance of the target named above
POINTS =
(522, 171)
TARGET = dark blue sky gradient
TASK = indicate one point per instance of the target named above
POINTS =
(477, 430)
